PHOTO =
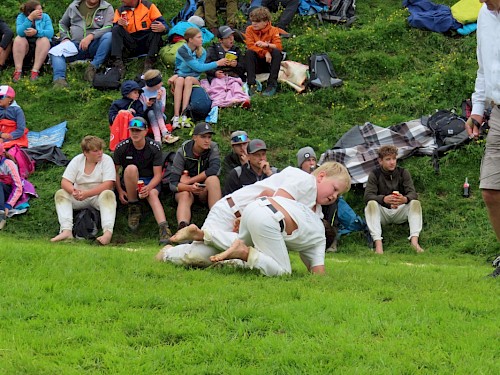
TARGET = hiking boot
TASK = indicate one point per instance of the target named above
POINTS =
(60, 83)
(90, 73)
(34, 75)
(120, 66)
(134, 215)
(149, 64)
(495, 273)
(165, 234)
(17, 76)
(175, 122)
(2, 219)
(269, 91)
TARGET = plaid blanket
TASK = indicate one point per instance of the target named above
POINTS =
(358, 148)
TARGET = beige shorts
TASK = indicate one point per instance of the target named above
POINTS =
(490, 165)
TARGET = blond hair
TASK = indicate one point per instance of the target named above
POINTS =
(92, 143)
(333, 169)
(151, 73)
(388, 150)
(191, 33)
(260, 14)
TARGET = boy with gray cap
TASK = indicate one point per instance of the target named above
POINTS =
(217, 51)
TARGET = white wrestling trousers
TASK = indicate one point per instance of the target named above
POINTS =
(104, 202)
(377, 215)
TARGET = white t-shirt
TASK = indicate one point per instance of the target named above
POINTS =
(309, 238)
(103, 171)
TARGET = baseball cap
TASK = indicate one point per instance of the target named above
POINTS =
(7, 91)
(256, 145)
(225, 31)
(203, 128)
(197, 20)
(239, 136)
(138, 123)
(303, 154)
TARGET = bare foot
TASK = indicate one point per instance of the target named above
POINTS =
(416, 245)
(189, 233)
(379, 248)
(238, 250)
(105, 238)
(64, 235)
(160, 257)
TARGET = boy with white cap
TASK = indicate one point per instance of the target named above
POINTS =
(238, 155)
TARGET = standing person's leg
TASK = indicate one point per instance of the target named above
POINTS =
(106, 204)
(291, 7)
(210, 14)
(231, 11)
(41, 51)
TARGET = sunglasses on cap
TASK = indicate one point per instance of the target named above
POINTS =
(239, 138)
(137, 124)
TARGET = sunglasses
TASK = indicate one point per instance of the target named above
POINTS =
(239, 138)
(2, 97)
(137, 124)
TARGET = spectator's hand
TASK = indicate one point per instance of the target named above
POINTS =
(35, 15)
(222, 62)
(30, 32)
(6, 136)
(472, 126)
(219, 74)
(158, 95)
(233, 63)
(122, 22)
(171, 80)
(158, 27)
(268, 58)
(132, 110)
(123, 197)
(243, 158)
(144, 192)
(85, 42)
(261, 44)
(151, 101)
(196, 189)
(265, 168)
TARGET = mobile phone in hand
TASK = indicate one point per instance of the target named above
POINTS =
(201, 185)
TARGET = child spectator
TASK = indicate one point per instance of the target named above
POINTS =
(189, 64)
(226, 83)
(154, 98)
(239, 155)
(88, 181)
(263, 51)
(34, 32)
(6, 36)
(11, 186)
(123, 110)
(12, 121)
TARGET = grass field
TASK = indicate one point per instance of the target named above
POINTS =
(79, 308)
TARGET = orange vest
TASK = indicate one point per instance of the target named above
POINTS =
(139, 18)
(8, 126)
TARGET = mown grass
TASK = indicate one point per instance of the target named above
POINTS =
(79, 308)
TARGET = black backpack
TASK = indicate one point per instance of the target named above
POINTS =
(321, 72)
(338, 11)
(86, 224)
(107, 80)
(166, 170)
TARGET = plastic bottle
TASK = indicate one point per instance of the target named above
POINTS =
(466, 188)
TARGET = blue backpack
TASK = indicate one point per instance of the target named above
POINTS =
(186, 12)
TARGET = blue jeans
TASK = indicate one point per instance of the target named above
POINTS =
(98, 50)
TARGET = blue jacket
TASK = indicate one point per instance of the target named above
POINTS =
(181, 27)
(187, 64)
(43, 26)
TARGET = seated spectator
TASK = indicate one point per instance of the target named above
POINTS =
(13, 129)
(88, 181)
(140, 159)
(34, 32)
(289, 7)
(306, 159)
(263, 51)
(123, 110)
(177, 32)
(153, 98)
(390, 197)
(6, 36)
(238, 156)
(208, 11)
(189, 64)
(138, 27)
(87, 24)
(226, 82)
(195, 173)
(256, 169)
(11, 186)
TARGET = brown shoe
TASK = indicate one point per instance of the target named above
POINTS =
(121, 67)
(134, 215)
(165, 234)
(60, 83)
(149, 63)
(90, 73)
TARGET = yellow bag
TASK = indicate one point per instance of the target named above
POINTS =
(466, 11)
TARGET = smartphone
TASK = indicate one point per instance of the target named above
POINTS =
(153, 99)
(202, 185)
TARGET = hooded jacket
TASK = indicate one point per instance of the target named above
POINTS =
(72, 24)
(268, 34)
(126, 103)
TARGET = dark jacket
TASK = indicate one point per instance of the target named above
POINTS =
(381, 183)
(216, 52)
(232, 160)
(6, 34)
(242, 175)
(126, 103)
(208, 162)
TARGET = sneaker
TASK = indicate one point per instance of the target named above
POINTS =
(90, 73)
(245, 104)
(2, 219)
(134, 216)
(269, 91)
(175, 122)
(34, 75)
(495, 273)
(17, 76)
(165, 234)
(185, 122)
(169, 138)
(60, 83)
(121, 67)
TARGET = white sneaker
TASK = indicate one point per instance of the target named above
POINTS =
(169, 138)
(175, 122)
(185, 122)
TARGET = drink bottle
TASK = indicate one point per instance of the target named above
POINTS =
(466, 188)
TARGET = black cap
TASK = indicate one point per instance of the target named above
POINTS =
(203, 128)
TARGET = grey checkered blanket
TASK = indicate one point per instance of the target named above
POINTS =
(358, 148)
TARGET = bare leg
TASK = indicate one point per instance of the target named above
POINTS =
(379, 248)
(105, 238)
(178, 89)
(415, 244)
(188, 88)
(41, 51)
(238, 250)
(19, 51)
(64, 235)
(184, 202)
(492, 200)
(189, 233)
